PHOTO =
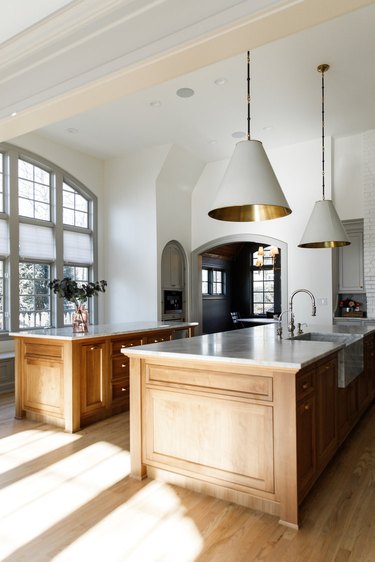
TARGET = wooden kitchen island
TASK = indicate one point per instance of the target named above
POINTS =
(243, 415)
(72, 380)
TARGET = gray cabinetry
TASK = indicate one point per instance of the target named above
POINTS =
(172, 267)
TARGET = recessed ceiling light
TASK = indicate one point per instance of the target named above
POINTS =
(238, 135)
(221, 81)
(155, 103)
(185, 92)
(72, 130)
(13, 114)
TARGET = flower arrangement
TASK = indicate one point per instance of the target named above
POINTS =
(74, 292)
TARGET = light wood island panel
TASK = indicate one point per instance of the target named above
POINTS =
(71, 381)
(254, 435)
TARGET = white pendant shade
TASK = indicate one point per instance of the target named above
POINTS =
(324, 229)
(249, 190)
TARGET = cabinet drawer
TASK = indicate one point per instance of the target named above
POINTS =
(120, 367)
(120, 390)
(305, 384)
(236, 384)
(156, 338)
(118, 345)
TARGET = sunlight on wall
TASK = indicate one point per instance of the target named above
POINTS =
(151, 526)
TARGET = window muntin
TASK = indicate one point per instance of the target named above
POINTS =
(217, 282)
(79, 274)
(263, 284)
(34, 191)
(205, 281)
(213, 281)
(75, 207)
(34, 295)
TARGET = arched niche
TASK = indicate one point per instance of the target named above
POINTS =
(196, 268)
(173, 282)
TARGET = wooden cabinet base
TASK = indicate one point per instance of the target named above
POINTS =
(72, 383)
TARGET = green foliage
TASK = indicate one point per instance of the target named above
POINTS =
(78, 293)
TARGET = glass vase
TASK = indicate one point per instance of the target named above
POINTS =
(80, 320)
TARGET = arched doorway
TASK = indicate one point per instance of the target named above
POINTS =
(256, 239)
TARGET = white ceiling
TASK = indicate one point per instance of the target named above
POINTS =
(285, 84)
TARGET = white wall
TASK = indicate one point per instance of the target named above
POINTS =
(174, 186)
(131, 235)
(299, 171)
(348, 176)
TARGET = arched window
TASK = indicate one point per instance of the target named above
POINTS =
(47, 230)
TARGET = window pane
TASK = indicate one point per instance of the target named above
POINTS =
(34, 186)
(34, 297)
(75, 207)
(79, 274)
(68, 217)
(42, 211)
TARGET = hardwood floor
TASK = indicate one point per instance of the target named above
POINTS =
(67, 497)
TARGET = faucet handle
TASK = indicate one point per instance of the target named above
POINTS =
(300, 331)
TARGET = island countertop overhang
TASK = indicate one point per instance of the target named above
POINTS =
(254, 346)
(103, 330)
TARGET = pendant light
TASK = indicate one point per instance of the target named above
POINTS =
(249, 190)
(324, 229)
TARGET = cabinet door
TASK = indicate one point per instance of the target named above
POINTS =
(326, 412)
(306, 445)
(94, 379)
(369, 363)
(172, 268)
(351, 263)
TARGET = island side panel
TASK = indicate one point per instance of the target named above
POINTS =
(18, 378)
(286, 446)
(206, 426)
(138, 469)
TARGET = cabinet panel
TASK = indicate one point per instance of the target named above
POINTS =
(306, 445)
(172, 267)
(93, 378)
(43, 390)
(326, 412)
(228, 441)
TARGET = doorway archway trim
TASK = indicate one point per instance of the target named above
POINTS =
(196, 269)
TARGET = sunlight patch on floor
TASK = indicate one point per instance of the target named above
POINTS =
(152, 526)
(23, 447)
(30, 506)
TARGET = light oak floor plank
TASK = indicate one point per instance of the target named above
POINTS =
(67, 497)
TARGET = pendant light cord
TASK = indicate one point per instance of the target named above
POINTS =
(248, 96)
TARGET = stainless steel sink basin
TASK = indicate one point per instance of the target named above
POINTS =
(350, 356)
(318, 336)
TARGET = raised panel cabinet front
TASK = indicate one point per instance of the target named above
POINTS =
(215, 439)
(94, 380)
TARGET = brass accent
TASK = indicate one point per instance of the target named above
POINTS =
(323, 68)
(249, 213)
(307, 406)
(304, 386)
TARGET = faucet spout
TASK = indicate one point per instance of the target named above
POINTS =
(313, 304)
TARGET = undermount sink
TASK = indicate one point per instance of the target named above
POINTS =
(318, 336)
(350, 356)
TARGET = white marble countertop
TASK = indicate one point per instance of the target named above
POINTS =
(102, 330)
(259, 345)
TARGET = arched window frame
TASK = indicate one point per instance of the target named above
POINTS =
(10, 218)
